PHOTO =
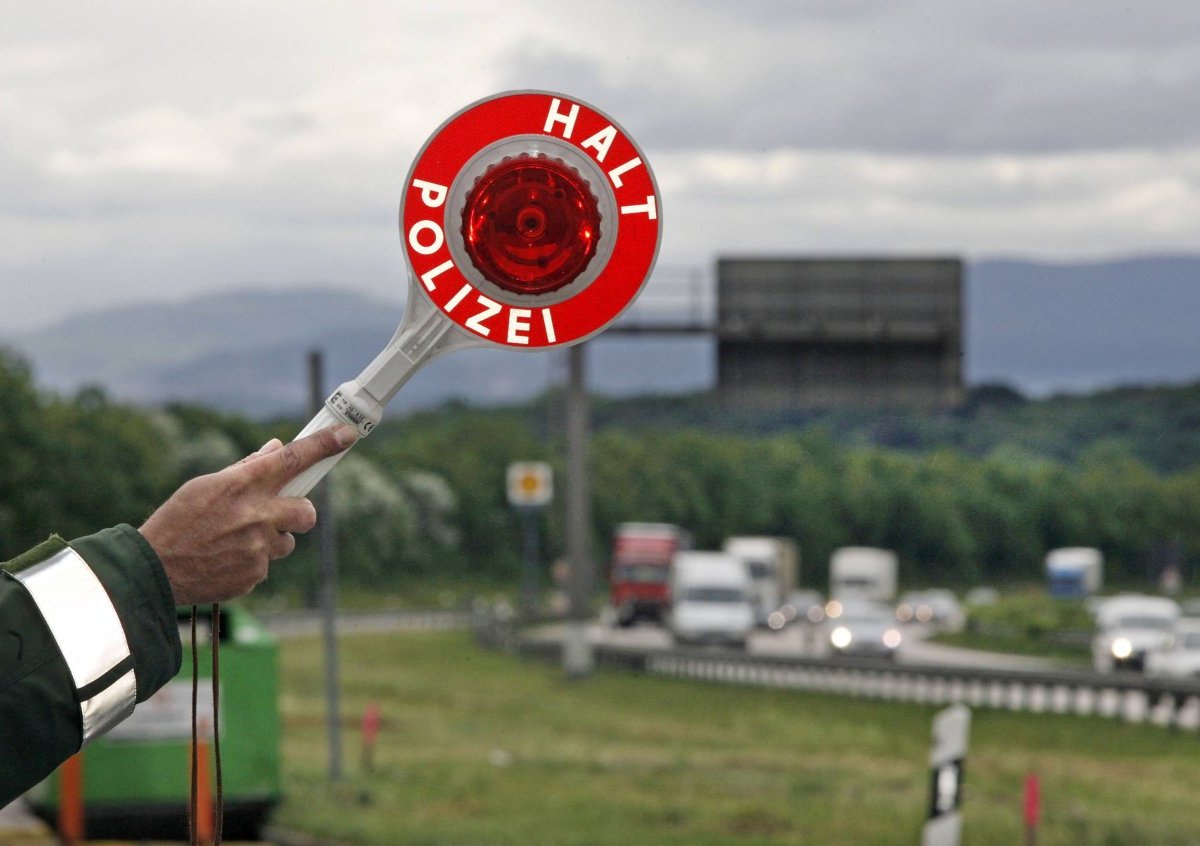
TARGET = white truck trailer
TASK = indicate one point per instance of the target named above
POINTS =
(863, 572)
(1074, 572)
(773, 565)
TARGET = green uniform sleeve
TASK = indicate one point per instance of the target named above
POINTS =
(39, 713)
(40, 704)
(130, 571)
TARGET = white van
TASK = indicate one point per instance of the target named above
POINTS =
(710, 599)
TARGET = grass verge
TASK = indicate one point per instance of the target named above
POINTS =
(1028, 621)
(1016, 643)
(482, 748)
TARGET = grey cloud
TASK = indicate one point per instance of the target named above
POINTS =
(776, 125)
(284, 124)
(1082, 24)
(933, 79)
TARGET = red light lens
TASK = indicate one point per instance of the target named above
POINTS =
(531, 224)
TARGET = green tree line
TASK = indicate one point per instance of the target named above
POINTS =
(1159, 425)
(424, 496)
(954, 518)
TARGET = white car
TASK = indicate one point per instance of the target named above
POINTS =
(1131, 628)
(1182, 658)
(863, 628)
(801, 606)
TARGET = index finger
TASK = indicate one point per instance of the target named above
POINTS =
(279, 467)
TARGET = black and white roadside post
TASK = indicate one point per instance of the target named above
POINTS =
(530, 490)
(951, 727)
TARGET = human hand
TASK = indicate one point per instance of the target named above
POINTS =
(218, 533)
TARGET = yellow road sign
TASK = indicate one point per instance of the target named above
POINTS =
(530, 483)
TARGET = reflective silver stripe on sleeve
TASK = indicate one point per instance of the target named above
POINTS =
(84, 623)
(108, 707)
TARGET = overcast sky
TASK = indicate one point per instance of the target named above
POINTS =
(155, 150)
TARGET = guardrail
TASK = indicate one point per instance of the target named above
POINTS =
(1173, 703)
(308, 622)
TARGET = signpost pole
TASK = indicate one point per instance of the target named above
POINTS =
(578, 660)
(530, 490)
(327, 544)
(531, 549)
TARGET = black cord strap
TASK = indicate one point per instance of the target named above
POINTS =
(194, 802)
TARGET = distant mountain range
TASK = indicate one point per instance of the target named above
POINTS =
(1038, 327)
(247, 351)
(1046, 328)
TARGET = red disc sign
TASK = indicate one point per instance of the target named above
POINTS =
(530, 219)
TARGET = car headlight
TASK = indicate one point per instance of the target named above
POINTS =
(1122, 648)
(840, 637)
(891, 638)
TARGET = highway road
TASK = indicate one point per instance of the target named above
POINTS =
(804, 640)
(801, 639)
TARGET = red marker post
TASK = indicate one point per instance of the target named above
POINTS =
(1033, 808)
(372, 718)
(204, 815)
(70, 800)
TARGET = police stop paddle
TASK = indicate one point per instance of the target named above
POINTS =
(530, 220)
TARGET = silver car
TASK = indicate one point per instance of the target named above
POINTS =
(937, 608)
(863, 628)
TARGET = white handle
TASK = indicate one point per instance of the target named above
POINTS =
(306, 481)
(423, 333)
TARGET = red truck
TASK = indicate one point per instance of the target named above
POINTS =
(640, 570)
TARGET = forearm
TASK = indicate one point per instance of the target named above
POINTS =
(86, 631)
